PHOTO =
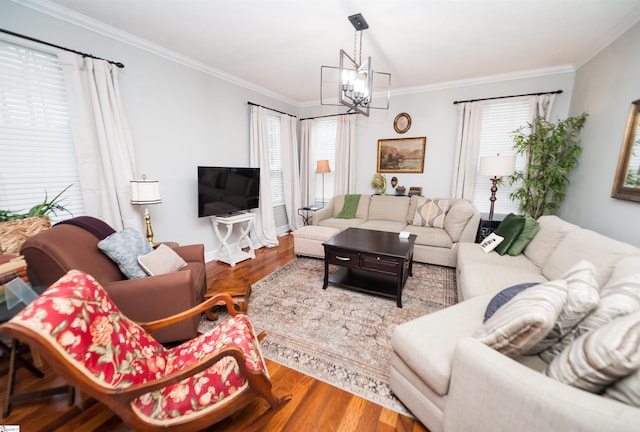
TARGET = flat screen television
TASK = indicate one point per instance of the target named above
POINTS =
(227, 190)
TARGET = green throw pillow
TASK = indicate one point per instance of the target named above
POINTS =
(510, 228)
(530, 229)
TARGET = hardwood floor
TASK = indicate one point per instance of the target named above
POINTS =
(315, 405)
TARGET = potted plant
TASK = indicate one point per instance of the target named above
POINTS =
(379, 182)
(16, 227)
(552, 152)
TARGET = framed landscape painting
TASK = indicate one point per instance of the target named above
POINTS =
(401, 155)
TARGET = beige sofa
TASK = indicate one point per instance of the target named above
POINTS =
(396, 213)
(452, 382)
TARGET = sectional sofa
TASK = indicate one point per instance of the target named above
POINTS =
(434, 245)
(453, 382)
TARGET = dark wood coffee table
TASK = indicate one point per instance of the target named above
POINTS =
(376, 262)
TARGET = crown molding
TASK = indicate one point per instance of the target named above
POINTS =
(56, 11)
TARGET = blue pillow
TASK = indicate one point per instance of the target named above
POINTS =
(124, 248)
(504, 296)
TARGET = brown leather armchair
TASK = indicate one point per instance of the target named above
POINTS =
(52, 253)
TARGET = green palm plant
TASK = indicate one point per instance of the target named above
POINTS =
(44, 208)
(552, 151)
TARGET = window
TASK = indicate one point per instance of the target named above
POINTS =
(325, 130)
(499, 120)
(36, 148)
(275, 160)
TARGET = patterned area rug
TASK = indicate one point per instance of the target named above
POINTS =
(339, 336)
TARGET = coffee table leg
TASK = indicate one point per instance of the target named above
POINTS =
(326, 274)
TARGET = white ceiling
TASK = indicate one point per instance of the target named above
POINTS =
(278, 46)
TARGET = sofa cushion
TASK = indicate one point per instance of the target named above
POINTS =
(162, 260)
(390, 208)
(582, 297)
(459, 214)
(124, 248)
(600, 357)
(525, 320)
(552, 231)
(431, 212)
(580, 244)
(430, 236)
(414, 341)
(510, 229)
(383, 225)
(530, 229)
(342, 224)
(504, 297)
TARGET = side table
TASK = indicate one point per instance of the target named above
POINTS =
(485, 229)
(307, 215)
(239, 289)
(232, 252)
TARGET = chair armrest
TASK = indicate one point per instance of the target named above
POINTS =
(191, 253)
(322, 214)
(198, 309)
(499, 394)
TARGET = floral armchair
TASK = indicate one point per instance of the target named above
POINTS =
(84, 337)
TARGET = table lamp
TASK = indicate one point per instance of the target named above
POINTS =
(146, 192)
(496, 167)
(322, 167)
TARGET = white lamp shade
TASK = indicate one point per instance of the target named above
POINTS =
(497, 166)
(145, 192)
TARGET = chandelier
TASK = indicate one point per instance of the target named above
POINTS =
(355, 79)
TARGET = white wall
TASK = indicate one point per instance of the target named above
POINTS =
(605, 88)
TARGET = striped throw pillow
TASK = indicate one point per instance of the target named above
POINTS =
(601, 357)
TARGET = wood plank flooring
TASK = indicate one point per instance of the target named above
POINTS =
(315, 405)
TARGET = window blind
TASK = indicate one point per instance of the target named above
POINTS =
(275, 160)
(36, 150)
(499, 120)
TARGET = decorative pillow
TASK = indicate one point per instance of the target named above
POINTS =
(525, 320)
(600, 357)
(627, 390)
(124, 248)
(431, 212)
(504, 296)
(529, 230)
(582, 297)
(510, 228)
(491, 242)
(160, 261)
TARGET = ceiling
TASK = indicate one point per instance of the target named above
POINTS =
(278, 46)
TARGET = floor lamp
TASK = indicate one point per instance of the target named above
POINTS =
(496, 167)
(145, 192)
(322, 167)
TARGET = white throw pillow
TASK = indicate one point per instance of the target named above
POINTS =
(491, 242)
(160, 261)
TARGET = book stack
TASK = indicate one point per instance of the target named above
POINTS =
(11, 267)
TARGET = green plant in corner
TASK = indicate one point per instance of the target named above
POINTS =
(552, 152)
(44, 208)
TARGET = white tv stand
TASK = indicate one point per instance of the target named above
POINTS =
(232, 253)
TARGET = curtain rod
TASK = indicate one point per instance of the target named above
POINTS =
(504, 97)
(274, 110)
(120, 65)
(329, 115)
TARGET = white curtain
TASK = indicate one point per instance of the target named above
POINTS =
(540, 106)
(465, 163)
(307, 181)
(345, 155)
(291, 170)
(102, 139)
(264, 233)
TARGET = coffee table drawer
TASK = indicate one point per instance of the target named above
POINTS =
(380, 264)
(343, 258)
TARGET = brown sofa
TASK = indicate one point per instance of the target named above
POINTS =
(52, 253)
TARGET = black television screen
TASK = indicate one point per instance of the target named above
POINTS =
(224, 190)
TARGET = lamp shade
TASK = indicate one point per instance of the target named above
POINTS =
(145, 192)
(322, 166)
(497, 166)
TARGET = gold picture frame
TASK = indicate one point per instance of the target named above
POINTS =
(401, 155)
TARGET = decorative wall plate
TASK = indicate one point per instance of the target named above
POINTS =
(402, 123)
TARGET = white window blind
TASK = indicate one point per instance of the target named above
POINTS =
(275, 160)
(325, 130)
(499, 120)
(36, 150)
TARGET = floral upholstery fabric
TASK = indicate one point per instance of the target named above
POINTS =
(79, 320)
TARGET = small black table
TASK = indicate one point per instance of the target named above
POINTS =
(309, 208)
